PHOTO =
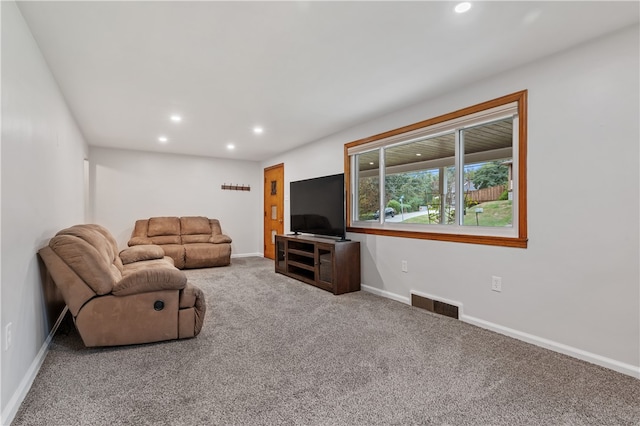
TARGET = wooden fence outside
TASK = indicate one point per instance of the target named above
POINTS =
(486, 194)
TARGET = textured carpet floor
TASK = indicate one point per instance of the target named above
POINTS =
(275, 351)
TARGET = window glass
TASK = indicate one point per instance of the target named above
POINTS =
(487, 172)
(419, 181)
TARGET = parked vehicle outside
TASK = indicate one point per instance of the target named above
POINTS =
(388, 212)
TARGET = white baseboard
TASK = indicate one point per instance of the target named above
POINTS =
(602, 361)
(386, 294)
(247, 255)
(20, 394)
(612, 364)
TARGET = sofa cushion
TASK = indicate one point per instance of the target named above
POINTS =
(165, 239)
(195, 225)
(200, 238)
(163, 226)
(107, 236)
(94, 238)
(86, 262)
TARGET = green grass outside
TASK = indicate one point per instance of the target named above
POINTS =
(495, 213)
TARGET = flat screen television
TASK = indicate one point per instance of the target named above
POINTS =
(317, 206)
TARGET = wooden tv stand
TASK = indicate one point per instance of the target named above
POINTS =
(329, 264)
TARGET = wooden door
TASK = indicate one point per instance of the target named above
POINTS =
(273, 207)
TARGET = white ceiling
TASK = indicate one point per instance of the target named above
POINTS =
(302, 70)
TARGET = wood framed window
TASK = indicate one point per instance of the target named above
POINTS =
(458, 177)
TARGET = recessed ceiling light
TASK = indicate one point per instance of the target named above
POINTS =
(371, 162)
(231, 146)
(531, 17)
(163, 139)
(176, 118)
(462, 7)
(258, 130)
(418, 155)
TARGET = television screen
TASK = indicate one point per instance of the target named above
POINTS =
(317, 206)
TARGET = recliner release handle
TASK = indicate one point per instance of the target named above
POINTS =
(158, 305)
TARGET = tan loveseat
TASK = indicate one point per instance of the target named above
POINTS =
(192, 242)
(135, 296)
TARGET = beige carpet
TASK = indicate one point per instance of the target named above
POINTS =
(275, 351)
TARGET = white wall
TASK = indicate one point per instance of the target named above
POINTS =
(42, 162)
(131, 185)
(576, 287)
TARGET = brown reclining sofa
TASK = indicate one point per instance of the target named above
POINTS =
(135, 296)
(192, 242)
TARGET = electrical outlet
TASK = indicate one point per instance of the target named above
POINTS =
(405, 267)
(496, 283)
(7, 336)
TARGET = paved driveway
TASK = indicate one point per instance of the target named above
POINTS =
(399, 217)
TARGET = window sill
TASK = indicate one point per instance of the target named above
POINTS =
(515, 242)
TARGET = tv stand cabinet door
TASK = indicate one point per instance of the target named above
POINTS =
(338, 266)
(281, 254)
(325, 270)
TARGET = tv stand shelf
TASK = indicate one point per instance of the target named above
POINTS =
(325, 263)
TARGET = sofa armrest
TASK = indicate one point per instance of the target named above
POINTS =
(139, 241)
(219, 239)
(151, 279)
(141, 252)
(139, 234)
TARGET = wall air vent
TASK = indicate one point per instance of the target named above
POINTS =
(434, 306)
